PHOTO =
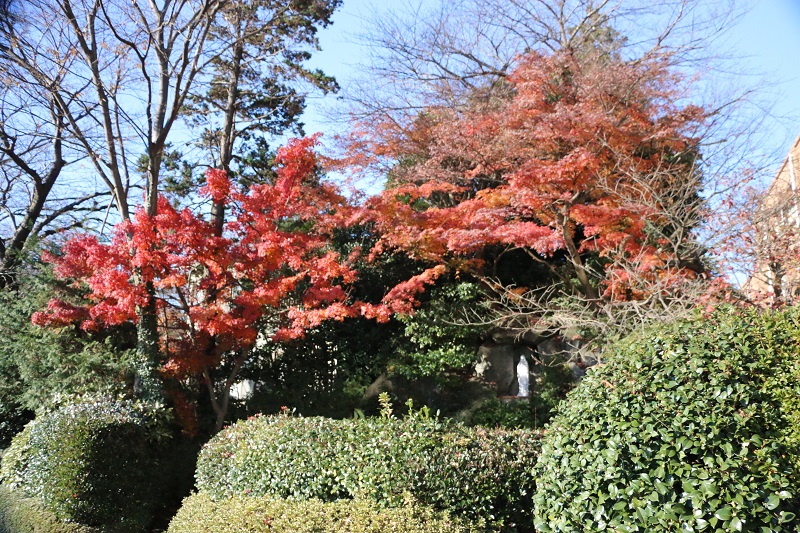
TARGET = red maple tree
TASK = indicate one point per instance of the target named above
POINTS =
(271, 274)
(589, 167)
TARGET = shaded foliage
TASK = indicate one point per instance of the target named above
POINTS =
(38, 365)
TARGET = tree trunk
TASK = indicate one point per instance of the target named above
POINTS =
(577, 263)
(12, 252)
(218, 219)
(148, 385)
(220, 405)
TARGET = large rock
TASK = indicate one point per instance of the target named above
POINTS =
(497, 364)
(554, 349)
(575, 353)
(515, 336)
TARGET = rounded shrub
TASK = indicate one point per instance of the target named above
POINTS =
(690, 427)
(94, 463)
(201, 514)
(27, 515)
(474, 473)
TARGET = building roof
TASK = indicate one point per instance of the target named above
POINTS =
(790, 164)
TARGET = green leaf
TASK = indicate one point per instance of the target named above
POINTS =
(772, 502)
(724, 513)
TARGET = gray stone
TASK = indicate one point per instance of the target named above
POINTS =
(554, 349)
(589, 358)
(515, 336)
(497, 364)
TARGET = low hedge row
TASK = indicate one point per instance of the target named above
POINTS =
(201, 514)
(474, 473)
(690, 427)
(27, 515)
(95, 463)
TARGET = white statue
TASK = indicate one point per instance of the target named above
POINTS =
(523, 377)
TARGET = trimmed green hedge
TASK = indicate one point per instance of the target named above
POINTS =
(474, 473)
(93, 463)
(692, 427)
(201, 514)
(27, 515)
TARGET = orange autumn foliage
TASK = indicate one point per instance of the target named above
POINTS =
(578, 161)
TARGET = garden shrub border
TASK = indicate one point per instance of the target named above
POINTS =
(202, 514)
(473, 473)
(19, 514)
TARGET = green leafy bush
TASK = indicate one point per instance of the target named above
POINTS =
(94, 463)
(473, 473)
(201, 514)
(27, 515)
(551, 386)
(692, 427)
(496, 412)
(436, 338)
(37, 363)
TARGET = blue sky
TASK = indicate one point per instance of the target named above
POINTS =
(769, 36)
(766, 38)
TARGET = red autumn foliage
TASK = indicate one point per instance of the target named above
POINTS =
(272, 263)
(218, 186)
(579, 160)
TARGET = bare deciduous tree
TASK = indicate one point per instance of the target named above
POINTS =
(36, 144)
(445, 53)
